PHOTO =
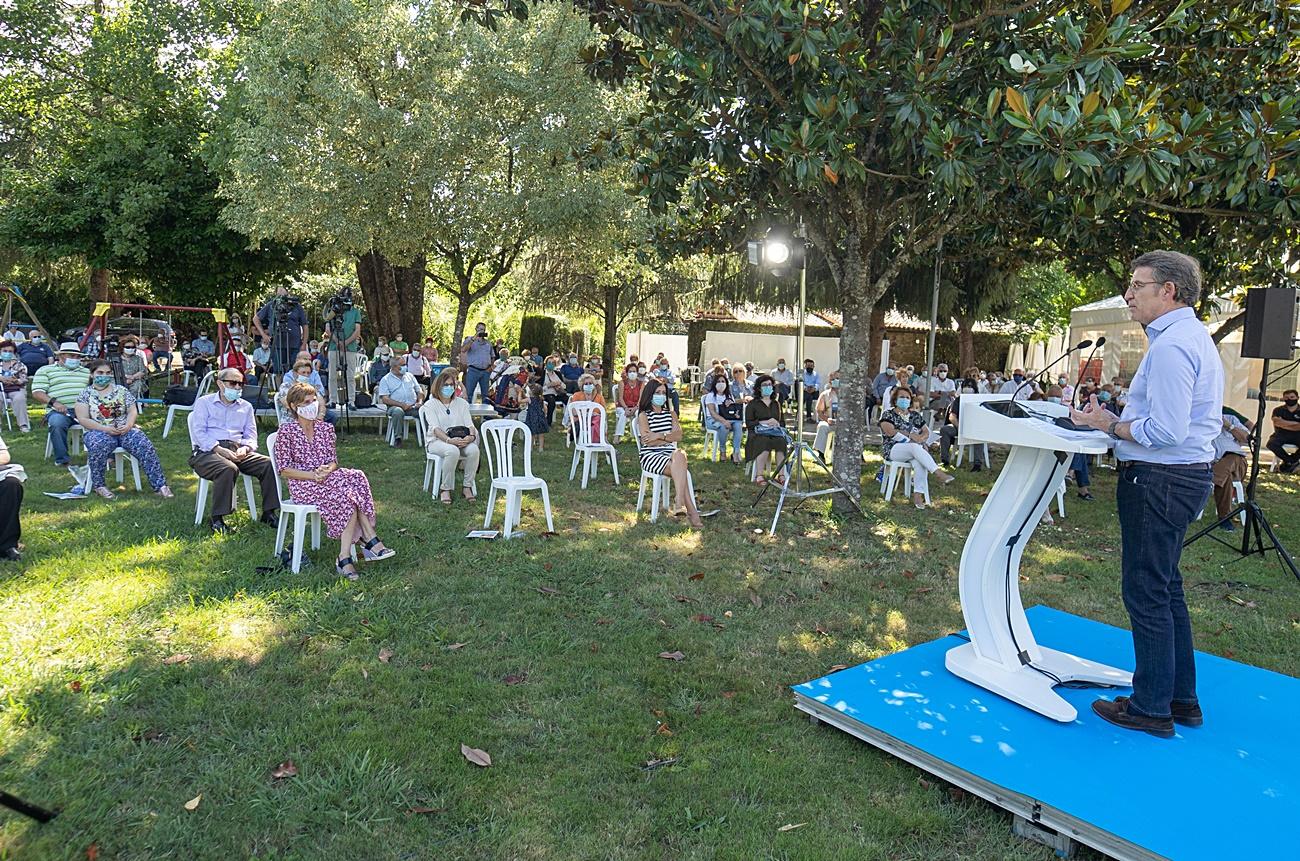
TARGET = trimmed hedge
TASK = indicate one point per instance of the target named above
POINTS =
(537, 331)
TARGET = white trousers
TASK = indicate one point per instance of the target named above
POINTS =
(922, 463)
(467, 457)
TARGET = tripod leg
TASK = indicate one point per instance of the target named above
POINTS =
(13, 802)
(1264, 527)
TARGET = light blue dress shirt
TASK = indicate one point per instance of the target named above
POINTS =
(1176, 399)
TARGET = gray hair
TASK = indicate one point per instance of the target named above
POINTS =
(1184, 271)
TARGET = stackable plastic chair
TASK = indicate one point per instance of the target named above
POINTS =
(588, 446)
(205, 386)
(660, 485)
(1238, 497)
(893, 470)
(120, 455)
(961, 453)
(301, 513)
(497, 438)
(205, 486)
(74, 441)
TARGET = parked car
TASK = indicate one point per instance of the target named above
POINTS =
(143, 328)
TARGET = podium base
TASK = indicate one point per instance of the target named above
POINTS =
(1027, 686)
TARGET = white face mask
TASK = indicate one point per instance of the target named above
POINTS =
(309, 411)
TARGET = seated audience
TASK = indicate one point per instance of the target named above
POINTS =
(783, 379)
(724, 415)
(571, 372)
(627, 393)
(234, 357)
(262, 360)
(1229, 466)
(827, 407)
(658, 432)
(665, 375)
(451, 434)
(943, 389)
(58, 387)
(588, 390)
(107, 413)
(510, 397)
(418, 367)
(811, 386)
(429, 352)
(948, 434)
(224, 437)
(399, 393)
(161, 347)
(767, 439)
(11, 503)
(1014, 385)
(905, 439)
(1286, 432)
(13, 379)
(306, 455)
(741, 390)
(302, 372)
(35, 353)
(554, 389)
(135, 373)
(398, 345)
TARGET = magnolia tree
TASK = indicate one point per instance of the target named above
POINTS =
(885, 126)
(400, 133)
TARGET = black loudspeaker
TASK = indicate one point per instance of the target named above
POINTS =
(1270, 330)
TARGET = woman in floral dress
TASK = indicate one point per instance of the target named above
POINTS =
(107, 413)
(305, 455)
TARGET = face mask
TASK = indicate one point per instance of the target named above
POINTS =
(889, 372)
(304, 378)
(448, 391)
(641, 370)
(1019, 378)
(780, 366)
(102, 380)
(984, 376)
(6, 355)
(808, 368)
(309, 411)
(720, 386)
(231, 395)
(1291, 402)
(595, 363)
(573, 360)
(37, 340)
(1061, 381)
(129, 351)
(203, 337)
(766, 391)
(967, 390)
(943, 375)
(588, 388)
(72, 364)
(1054, 399)
(1103, 397)
(902, 403)
(659, 399)
(835, 384)
(550, 366)
(663, 367)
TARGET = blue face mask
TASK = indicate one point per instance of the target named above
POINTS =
(766, 391)
(6, 355)
(72, 364)
(902, 403)
(1103, 397)
(835, 384)
(304, 378)
(1054, 399)
(889, 372)
(231, 395)
(448, 391)
(588, 388)
(102, 380)
(659, 399)
(1019, 378)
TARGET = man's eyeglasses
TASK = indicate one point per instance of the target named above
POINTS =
(1138, 285)
(235, 384)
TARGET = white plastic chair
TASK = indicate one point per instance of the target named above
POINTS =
(497, 436)
(892, 470)
(1060, 500)
(387, 429)
(301, 513)
(433, 463)
(119, 456)
(591, 446)
(1238, 497)
(620, 423)
(172, 409)
(712, 443)
(74, 441)
(660, 485)
(205, 486)
(961, 453)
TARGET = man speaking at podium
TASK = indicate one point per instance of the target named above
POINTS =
(1165, 446)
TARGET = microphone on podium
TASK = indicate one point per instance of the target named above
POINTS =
(1084, 368)
(1010, 408)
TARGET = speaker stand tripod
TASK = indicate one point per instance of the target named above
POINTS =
(31, 811)
(1257, 535)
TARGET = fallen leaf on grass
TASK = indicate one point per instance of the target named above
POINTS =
(726, 695)
(604, 621)
(698, 576)
(92, 852)
(909, 574)
(672, 656)
(365, 674)
(659, 763)
(548, 590)
(193, 803)
(756, 599)
(385, 655)
(792, 827)
(820, 630)
(925, 784)
(663, 729)
(423, 810)
(515, 678)
(1055, 578)
(176, 659)
(454, 646)
(701, 617)
(835, 668)
(476, 756)
(727, 614)
(285, 769)
(549, 534)
(1250, 605)
(547, 566)
(75, 686)
(921, 590)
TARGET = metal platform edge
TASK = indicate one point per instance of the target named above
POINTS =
(1013, 802)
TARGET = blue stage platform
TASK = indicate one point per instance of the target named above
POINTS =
(1227, 790)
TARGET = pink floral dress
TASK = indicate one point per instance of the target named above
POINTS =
(342, 492)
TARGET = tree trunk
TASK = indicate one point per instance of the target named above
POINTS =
(100, 287)
(877, 338)
(610, 343)
(375, 277)
(855, 377)
(463, 301)
(1228, 326)
(965, 343)
(408, 283)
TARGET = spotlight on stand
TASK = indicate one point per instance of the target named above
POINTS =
(776, 253)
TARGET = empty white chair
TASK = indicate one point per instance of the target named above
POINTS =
(591, 432)
(1060, 500)
(497, 437)
(660, 485)
(74, 441)
(205, 486)
(120, 455)
(301, 513)
(892, 470)
(205, 387)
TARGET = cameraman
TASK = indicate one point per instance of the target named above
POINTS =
(283, 322)
(344, 328)
(476, 354)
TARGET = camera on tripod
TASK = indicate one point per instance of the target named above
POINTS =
(338, 304)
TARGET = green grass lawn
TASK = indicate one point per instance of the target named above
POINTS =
(543, 652)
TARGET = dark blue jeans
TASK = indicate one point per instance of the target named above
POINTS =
(1079, 463)
(1156, 505)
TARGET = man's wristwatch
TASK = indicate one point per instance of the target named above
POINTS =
(1111, 430)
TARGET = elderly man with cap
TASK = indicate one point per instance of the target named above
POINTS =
(224, 436)
(58, 386)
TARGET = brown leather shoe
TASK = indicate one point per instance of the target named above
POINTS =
(1187, 714)
(1117, 713)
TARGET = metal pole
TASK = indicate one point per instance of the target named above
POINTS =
(934, 324)
(798, 346)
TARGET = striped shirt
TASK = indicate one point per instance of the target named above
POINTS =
(62, 384)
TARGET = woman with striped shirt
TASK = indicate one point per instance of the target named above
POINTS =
(659, 432)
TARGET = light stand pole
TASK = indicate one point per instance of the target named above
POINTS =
(796, 485)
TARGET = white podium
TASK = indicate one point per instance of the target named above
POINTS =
(1002, 647)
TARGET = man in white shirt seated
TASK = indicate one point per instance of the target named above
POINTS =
(783, 377)
(1229, 466)
(942, 389)
(400, 394)
(1013, 385)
